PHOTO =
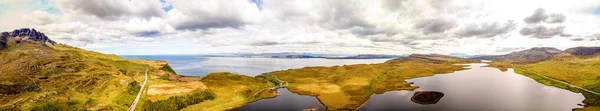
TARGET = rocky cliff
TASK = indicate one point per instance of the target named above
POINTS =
(583, 50)
(24, 33)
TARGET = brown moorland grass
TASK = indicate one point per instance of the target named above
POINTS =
(348, 87)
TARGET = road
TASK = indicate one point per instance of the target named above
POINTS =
(132, 107)
(570, 85)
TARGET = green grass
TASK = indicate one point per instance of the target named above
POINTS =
(32, 72)
(582, 71)
(233, 90)
(179, 102)
(348, 87)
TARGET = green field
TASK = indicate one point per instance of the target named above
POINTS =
(47, 77)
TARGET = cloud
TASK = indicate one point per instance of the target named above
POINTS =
(381, 26)
(113, 9)
(577, 39)
(556, 18)
(541, 32)
(196, 15)
(437, 25)
(538, 16)
(265, 43)
(486, 30)
(509, 49)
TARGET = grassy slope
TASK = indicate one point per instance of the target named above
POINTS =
(64, 77)
(233, 90)
(582, 71)
(348, 87)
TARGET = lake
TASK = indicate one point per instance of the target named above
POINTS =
(197, 65)
(476, 89)
(285, 101)
(480, 89)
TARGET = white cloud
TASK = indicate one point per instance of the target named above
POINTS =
(338, 26)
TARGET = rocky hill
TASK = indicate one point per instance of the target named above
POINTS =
(38, 74)
(583, 50)
(529, 55)
(24, 34)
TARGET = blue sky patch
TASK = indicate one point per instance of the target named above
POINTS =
(596, 10)
(258, 3)
(168, 6)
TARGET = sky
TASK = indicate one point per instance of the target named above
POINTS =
(142, 27)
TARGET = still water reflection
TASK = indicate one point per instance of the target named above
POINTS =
(481, 89)
(196, 65)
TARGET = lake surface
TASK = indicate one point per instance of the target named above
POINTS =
(480, 89)
(476, 89)
(197, 65)
(285, 101)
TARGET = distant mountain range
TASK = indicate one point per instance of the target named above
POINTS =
(539, 54)
(306, 55)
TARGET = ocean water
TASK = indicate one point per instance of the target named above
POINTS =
(197, 65)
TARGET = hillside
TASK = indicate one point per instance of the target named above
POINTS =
(578, 66)
(347, 87)
(40, 74)
(530, 55)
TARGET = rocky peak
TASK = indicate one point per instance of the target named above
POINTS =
(29, 34)
(583, 50)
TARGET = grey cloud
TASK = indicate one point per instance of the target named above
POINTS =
(265, 43)
(556, 18)
(335, 15)
(344, 15)
(114, 9)
(509, 49)
(542, 32)
(486, 30)
(437, 25)
(565, 35)
(577, 39)
(148, 34)
(204, 24)
(594, 37)
(393, 4)
(538, 16)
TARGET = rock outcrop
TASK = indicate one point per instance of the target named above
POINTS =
(583, 50)
(26, 33)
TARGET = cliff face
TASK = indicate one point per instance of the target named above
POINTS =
(25, 33)
(583, 50)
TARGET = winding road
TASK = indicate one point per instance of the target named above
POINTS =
(132, 107)
(570, 85)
